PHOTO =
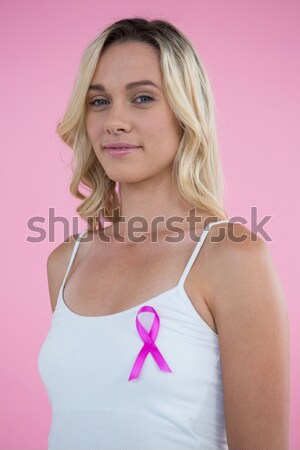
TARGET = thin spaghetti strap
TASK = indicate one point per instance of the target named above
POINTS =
(196, 251)
(74, 251)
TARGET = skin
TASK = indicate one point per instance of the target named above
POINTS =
(145, 176)
(233, 285)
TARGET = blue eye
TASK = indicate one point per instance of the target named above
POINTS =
(97, 100)
(145, 96)
(93, 103)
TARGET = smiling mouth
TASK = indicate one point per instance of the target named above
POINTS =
(121, 151)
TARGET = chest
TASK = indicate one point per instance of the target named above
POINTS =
(107, 279)
(112, 278)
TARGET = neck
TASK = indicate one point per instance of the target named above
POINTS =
(148, 209)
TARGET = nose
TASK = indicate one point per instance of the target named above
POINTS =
(116, 120)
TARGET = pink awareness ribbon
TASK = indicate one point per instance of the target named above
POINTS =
(149, 345)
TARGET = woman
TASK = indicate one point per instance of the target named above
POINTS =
(153, 345)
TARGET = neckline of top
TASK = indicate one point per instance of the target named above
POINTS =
(119, 313)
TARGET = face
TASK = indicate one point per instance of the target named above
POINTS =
(137, 115)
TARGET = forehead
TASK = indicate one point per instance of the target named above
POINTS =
(125, 62)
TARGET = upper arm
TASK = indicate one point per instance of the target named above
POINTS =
(57, 264)
(249, 308)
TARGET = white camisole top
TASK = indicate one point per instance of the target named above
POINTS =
(146, 378)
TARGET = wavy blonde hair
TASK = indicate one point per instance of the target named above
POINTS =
(197, 171)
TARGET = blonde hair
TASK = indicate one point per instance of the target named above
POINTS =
(197, 171)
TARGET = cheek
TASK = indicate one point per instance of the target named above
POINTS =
(165, 134)
(93, 130)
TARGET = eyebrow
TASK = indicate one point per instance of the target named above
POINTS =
(133, 84)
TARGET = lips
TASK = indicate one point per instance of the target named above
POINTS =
(120, 145)
(121, 151)
(120, 148)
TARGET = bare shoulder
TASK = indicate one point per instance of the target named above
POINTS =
(57, 264)
(240, 260)
(248, 303)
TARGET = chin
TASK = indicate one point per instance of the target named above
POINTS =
(125, 176)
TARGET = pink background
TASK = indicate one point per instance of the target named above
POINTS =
(251, 52)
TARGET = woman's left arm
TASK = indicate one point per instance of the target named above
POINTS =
(251, 316)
